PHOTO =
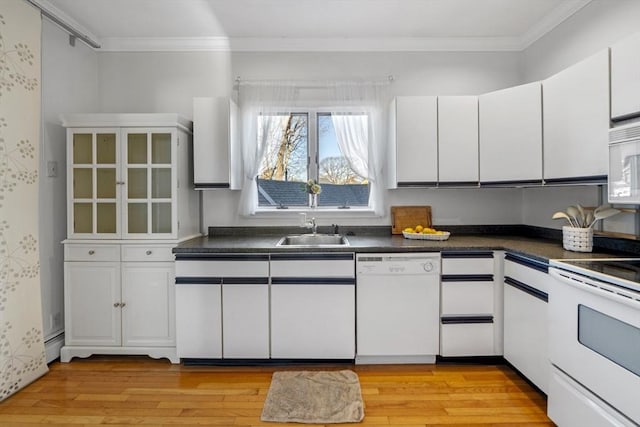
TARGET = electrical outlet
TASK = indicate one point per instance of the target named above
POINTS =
(52, 168)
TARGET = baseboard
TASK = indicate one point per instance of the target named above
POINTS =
(385, 360)
(52, 347)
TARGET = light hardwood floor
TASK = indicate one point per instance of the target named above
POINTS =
(138, 390)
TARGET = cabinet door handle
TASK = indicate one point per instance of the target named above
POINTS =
(91, 252)
(120, 182)
(116, 304)
(149, 252)
(122, 304)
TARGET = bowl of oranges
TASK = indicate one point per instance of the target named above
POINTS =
(424, 233)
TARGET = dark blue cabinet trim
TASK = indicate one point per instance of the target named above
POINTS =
(222, 280)
(198, 280)
(417, 184)
(467, 254)
(204, 185)
(457, 320)
(220, 257)
(527, 262)
(597, 179)
(526, 288)
(467, 278)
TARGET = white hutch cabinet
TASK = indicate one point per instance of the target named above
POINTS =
(130, 199)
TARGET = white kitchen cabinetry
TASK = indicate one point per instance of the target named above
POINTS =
(215, 144)
(148, 304)
(222, 308)
(511, 135)
(458, 140)
(91, 291)
(312, 306)
(413, 156)
(128, 181)
(128, 177)
(525, 318)
(113, 306)
(467, 326)
(625, 83)
(576, 122)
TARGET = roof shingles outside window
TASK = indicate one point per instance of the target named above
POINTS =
(290, 193)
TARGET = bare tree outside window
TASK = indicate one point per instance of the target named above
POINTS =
(336, 170)
(285, 156)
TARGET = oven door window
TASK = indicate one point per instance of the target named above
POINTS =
(611, 338)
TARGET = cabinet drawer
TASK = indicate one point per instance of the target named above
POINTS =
(146, 253)
(312, 265)
(466, 339)
(467, 297)
(222, 265)
(91, 252)
(467, 264)
(531, 276)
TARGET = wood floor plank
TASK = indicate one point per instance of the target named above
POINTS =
(123, 391)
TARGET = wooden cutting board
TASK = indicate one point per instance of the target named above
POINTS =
(409, 216)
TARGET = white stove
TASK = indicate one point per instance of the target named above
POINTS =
(594, 342)
(623, 272)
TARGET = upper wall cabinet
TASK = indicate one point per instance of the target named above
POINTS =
(457, 140)
(625, 78)
(576, 122)
(128, 177)
(511, 135)
(215, 146)
(413, 158)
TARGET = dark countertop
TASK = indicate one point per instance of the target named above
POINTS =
(537, 248)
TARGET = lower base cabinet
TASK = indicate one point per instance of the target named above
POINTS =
(469, 318)
(313, 321)
(118, 307)
(245, 321)
(525, 319)
(222, 306)
(198, 320)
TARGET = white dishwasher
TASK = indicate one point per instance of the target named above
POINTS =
(397, 307)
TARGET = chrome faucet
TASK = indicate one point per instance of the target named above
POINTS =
(308, 223)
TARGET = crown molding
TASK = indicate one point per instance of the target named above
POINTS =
(266, 44)
(374, 44)
(165, 44)
(561, 13)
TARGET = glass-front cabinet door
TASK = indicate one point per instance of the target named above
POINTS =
(123, 183)
(93, 160)
(149, 209)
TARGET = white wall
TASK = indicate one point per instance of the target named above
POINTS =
(596, 26)
(161, 82)
(167, 82)
(69, 85)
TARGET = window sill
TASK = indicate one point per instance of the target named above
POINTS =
(354, 212)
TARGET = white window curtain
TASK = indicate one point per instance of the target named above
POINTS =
(360, 133)
(361, 136)
(258, 102)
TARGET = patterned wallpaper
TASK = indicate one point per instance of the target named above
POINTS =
(22, 356)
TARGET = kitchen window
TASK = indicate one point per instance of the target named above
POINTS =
(317, 145)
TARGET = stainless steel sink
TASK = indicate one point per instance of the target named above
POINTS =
(313, 240)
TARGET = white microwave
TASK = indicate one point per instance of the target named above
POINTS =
(624, 164)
